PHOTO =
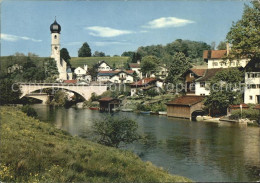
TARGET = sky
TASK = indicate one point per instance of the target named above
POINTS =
(113, 26)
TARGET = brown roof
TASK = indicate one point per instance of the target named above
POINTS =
(257, 107)
(186, 100)
(209, 73)
(198, 72)
(70, 81)
(238, 106)
(143, 82)
(106, 99)
(134, 65)
(211, 54)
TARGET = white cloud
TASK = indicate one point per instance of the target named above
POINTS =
(165, 22)
(106, 31)
(103, 43)
(13, 38)
(143, 31)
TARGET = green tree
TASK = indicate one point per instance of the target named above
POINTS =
(222, 45)
(99, 54)
(84, 51)
(180, 64)
(149, 64)
(224, 90)
(244, 35)
(29, 111)
(111, 131)
(10, 92)
(65, 55)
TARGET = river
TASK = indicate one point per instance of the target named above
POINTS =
(197, 150)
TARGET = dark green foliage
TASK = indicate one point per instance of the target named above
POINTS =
(224, 90)
(149, 65)
(112, 131)
(180, 64)
(251, 114)
(29, 111)
(244, 35)
(84, 51)
(9, 92)
(222, 45)
(99, 54)
(65, 55)
(94, 97)
(152, 93)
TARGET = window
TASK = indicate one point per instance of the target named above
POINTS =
(202, 84)
(55, 37)
(250, 97)
(215, 64)
(202, 94)
(191, 74)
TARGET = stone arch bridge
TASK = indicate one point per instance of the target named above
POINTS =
(84, 90)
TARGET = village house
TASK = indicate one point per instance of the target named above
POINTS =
(252, 82)
(187, 106)
(103, 66)
(116, 76)
(108, 104)
(145, 84)
(161, 73)
(136, 67)
(82, 74)
(217, 59)
(190, 76)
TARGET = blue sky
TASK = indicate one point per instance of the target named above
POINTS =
(113, 27)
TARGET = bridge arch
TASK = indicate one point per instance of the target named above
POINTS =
(196, 113)
(84, 90)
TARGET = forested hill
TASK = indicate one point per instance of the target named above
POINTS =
(191, 49)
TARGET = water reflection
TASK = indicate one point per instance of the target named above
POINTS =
(200, 151)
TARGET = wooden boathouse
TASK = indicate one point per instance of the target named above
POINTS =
(185, 106)
(108, 104)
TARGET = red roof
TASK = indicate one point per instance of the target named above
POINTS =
(257, 107)
(70, 81)
(186, 100)
(198, 72)
(210, 73)
(238, 106)
(134, 65)
(106, 99)
(207, 54)
(143, 82)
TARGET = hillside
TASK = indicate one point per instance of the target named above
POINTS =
(34, 151)
(90, 61)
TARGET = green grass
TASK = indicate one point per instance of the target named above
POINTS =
(90, 61)
(34, 151)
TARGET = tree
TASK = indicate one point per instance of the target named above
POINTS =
(244, 35)
(29, 111)
(213, 45)
(10, 92)
(149, 64)
(222, 45)
(65, 55)
(99, 54)
(111, 131)
(84, 51)
(224, 90)
(180, 64)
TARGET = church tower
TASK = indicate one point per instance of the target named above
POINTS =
(55, 50)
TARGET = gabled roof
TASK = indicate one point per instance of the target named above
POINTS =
(186, 100)
(143, 82)
(214, 54)
(102, 61)
(209, 73)
(198, 72)
(107, 99)
(253, 66)
(115, 72)
(134, 65)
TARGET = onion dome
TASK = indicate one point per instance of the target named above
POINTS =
(55, 27)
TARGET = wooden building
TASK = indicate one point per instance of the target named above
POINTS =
(185, 106)
(108, 104)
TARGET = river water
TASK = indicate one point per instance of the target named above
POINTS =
(197, 150)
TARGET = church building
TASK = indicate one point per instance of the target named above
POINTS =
(55, 51)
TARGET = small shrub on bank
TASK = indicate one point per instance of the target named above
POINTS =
(29, 111)
(251, 114)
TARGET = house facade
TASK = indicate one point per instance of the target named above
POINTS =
(145, 84)
(252, 83)
(116, 76)
(82, 74)
(103, 66)
(136, 67)
(190, 76)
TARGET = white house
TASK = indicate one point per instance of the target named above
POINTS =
(252, 83)
(82, 74)
(137, 68)
(103, 66)
(216, 59)
(161, 73)
(116, 76)
(146, 84)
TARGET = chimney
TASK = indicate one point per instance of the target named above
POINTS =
(228, 49)
(86, 67)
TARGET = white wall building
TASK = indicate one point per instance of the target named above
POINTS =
(82, 74)
(55, 50)
(103, 66)
(136, 67)
(116, 76)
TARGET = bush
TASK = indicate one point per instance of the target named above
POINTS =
(251, 114)
(29, 111)
(111, 131)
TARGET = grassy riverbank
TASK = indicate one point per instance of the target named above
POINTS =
(34, 151)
